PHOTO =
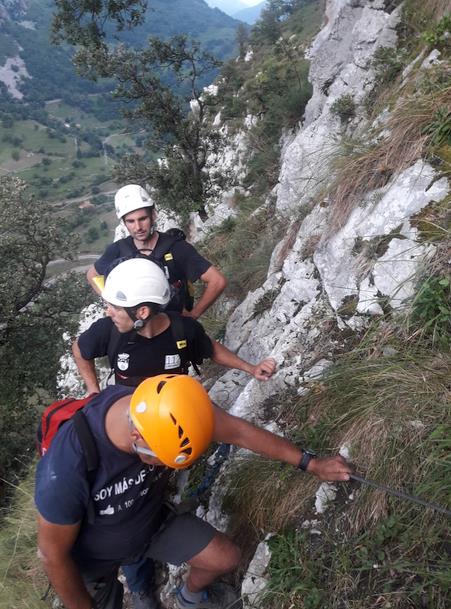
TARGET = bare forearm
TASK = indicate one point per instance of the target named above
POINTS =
(225, 357)
(215, 283)
(87, 369)
(237, 431)
(68, 583)
(208, 297)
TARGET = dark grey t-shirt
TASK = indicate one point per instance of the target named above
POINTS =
(127, 495)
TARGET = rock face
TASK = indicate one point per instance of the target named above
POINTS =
(12, 9)
(339, 56)
(11, 74)
(319, 285)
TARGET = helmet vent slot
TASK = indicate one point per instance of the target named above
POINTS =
(187, 451)
(184, 443)
(180, 430)
(173, 418)
(160, 386)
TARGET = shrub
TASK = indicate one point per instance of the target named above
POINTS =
(439, 35)
(344, 107)
(432, 309)
(388, 63)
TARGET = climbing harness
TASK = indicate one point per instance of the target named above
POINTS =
(400, 494)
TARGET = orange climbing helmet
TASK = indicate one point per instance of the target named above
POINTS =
(174, 415)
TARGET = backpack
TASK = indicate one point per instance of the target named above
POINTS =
(184, 290)
(178, 334)
(56, 415)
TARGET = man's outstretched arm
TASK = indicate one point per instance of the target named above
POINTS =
(236, 431)
(86, 368)
(55, 542)
(224, 357)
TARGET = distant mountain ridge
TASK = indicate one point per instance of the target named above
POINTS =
(251, 14)
(24, 41)
(230, 7)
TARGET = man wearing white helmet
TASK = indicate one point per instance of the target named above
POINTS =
(141, 340)
(182, 263)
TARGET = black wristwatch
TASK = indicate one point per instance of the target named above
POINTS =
(307, 456)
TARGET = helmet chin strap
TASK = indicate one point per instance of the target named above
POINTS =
(138, 324)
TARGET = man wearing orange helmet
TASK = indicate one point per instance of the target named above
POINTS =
(183, 264)
(86, 530)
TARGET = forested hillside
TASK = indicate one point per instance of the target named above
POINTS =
(63, 133)
(25, 34)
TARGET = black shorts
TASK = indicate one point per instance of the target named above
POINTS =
(180, 538)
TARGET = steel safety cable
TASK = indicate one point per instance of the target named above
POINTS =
(401, 495)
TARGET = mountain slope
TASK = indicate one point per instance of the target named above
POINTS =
(250, 14)
(47, 71)
(227, 6)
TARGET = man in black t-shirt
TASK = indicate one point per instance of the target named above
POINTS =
(183, 264)
(141, 340)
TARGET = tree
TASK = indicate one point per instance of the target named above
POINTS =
(242, 38)
(269, 27)
(160, 84)
(82, 22)
(34, 313)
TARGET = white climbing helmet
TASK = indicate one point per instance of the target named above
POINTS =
(135, 281)
(129, 198)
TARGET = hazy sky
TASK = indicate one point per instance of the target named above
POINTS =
(251, 2)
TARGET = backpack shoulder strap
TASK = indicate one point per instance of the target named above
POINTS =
(179, 335)
(90, 453)
(116, 339)
(166, 241)
(86, 439)
(126, 247)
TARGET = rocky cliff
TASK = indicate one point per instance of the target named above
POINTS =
(352, 248)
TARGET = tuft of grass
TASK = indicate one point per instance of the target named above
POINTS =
(431, 309)
(413, 130)
(23, 583)
(388, 400)
(242, 249)
(344, 107)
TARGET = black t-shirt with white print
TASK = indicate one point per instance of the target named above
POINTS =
(137, 357)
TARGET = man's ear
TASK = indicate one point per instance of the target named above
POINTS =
(143, 312)
(135, 435)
